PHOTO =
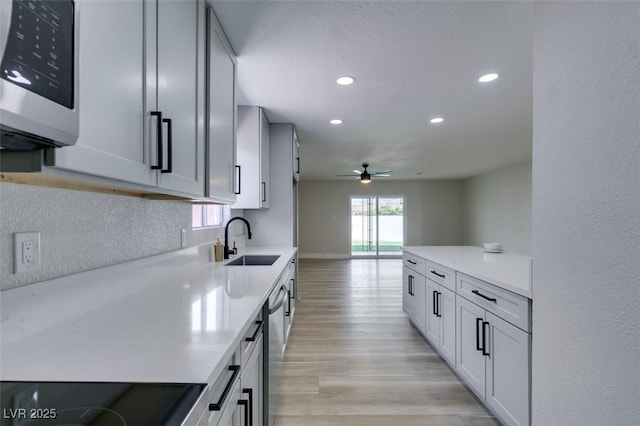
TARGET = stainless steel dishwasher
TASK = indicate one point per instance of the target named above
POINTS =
(274, 358)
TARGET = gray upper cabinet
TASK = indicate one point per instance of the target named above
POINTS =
(221, 182)
(141, 90)
(253, 159)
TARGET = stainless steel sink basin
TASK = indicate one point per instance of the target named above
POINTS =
(254, 259)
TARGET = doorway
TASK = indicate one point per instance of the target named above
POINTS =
(377, 226)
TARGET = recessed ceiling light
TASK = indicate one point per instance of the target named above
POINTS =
(336, 121)
(345, 80)
(436, 120)
(488, 77)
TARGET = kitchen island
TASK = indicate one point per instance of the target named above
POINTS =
(474, 308)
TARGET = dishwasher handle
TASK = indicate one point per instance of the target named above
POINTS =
(278, 304)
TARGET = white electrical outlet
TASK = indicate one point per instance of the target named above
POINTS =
(26, 251)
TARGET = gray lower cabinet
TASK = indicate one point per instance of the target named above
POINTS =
(251, 382)
(440, 327)
(482, 331)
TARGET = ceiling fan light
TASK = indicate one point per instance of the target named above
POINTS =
(365, 177)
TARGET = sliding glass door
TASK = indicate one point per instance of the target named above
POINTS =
(377, 226)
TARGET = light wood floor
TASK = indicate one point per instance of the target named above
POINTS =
(354, 359)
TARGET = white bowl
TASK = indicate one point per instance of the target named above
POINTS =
(493, 246)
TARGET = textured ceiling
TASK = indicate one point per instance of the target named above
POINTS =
(412, 60)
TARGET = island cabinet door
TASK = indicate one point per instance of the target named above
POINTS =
(407, 298)
(447, 312)
(470, 358)
(419, 290)
(508, 379)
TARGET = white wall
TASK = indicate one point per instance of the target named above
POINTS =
(80, 231)
(432, 211)
(586, 214)
(497, 208)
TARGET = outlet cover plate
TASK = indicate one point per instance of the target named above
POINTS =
(26, 252)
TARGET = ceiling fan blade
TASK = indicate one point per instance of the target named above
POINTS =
(381, 175)
(382, 172)
(353, 176)
(357, 171)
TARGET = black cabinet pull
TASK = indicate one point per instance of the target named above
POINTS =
(169, 168)
(254, 336)
(490, 299)
(411, 285)
(297, 164)
(264, 192)
(288, 313)
(437, 274)
(245, 404)
(239, 180)
(435, 302)
(438, 294)
(158, 114)
(485, 350)
(216, 406)
(249, 392)
(411, 262)
(479, 322)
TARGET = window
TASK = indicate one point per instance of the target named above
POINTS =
(208, 215)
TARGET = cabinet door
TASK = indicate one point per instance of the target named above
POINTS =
(470, 362)
(296, 157)
(508, 380)
(221, 119)
(264, 161)
(407, 299)
(181, 93)
(112, 134)
(447, 310)
(432, 327)
(252, 157)
(419, 289)
(251, 385)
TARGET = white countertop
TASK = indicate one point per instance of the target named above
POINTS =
(507, 270)
(173, 318)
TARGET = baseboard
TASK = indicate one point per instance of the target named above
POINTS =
(324, 256)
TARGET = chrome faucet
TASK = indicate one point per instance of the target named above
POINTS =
(234, 250)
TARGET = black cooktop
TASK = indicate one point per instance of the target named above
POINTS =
(96, 404)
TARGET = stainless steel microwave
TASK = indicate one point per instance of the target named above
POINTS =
(38, 74)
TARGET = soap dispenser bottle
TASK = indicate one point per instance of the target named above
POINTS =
(217, 250)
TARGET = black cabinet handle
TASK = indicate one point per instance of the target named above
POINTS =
(288, 313)
(411, 262)
(437, 274)
(245, 404)
(169, 168)
(438, 294)
(216, 406)
(158, 114)
(435, 302)
(490, 299)
(485, 350)
(239, 180)
(479, 322)
(254, 336)
(297, 164)
(249, 392)
(264, 192)
(411, 285)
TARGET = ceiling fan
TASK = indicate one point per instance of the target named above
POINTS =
(365, 176)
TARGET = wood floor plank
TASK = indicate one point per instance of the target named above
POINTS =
(353, 358)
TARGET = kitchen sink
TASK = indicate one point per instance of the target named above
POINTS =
(254, 259)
